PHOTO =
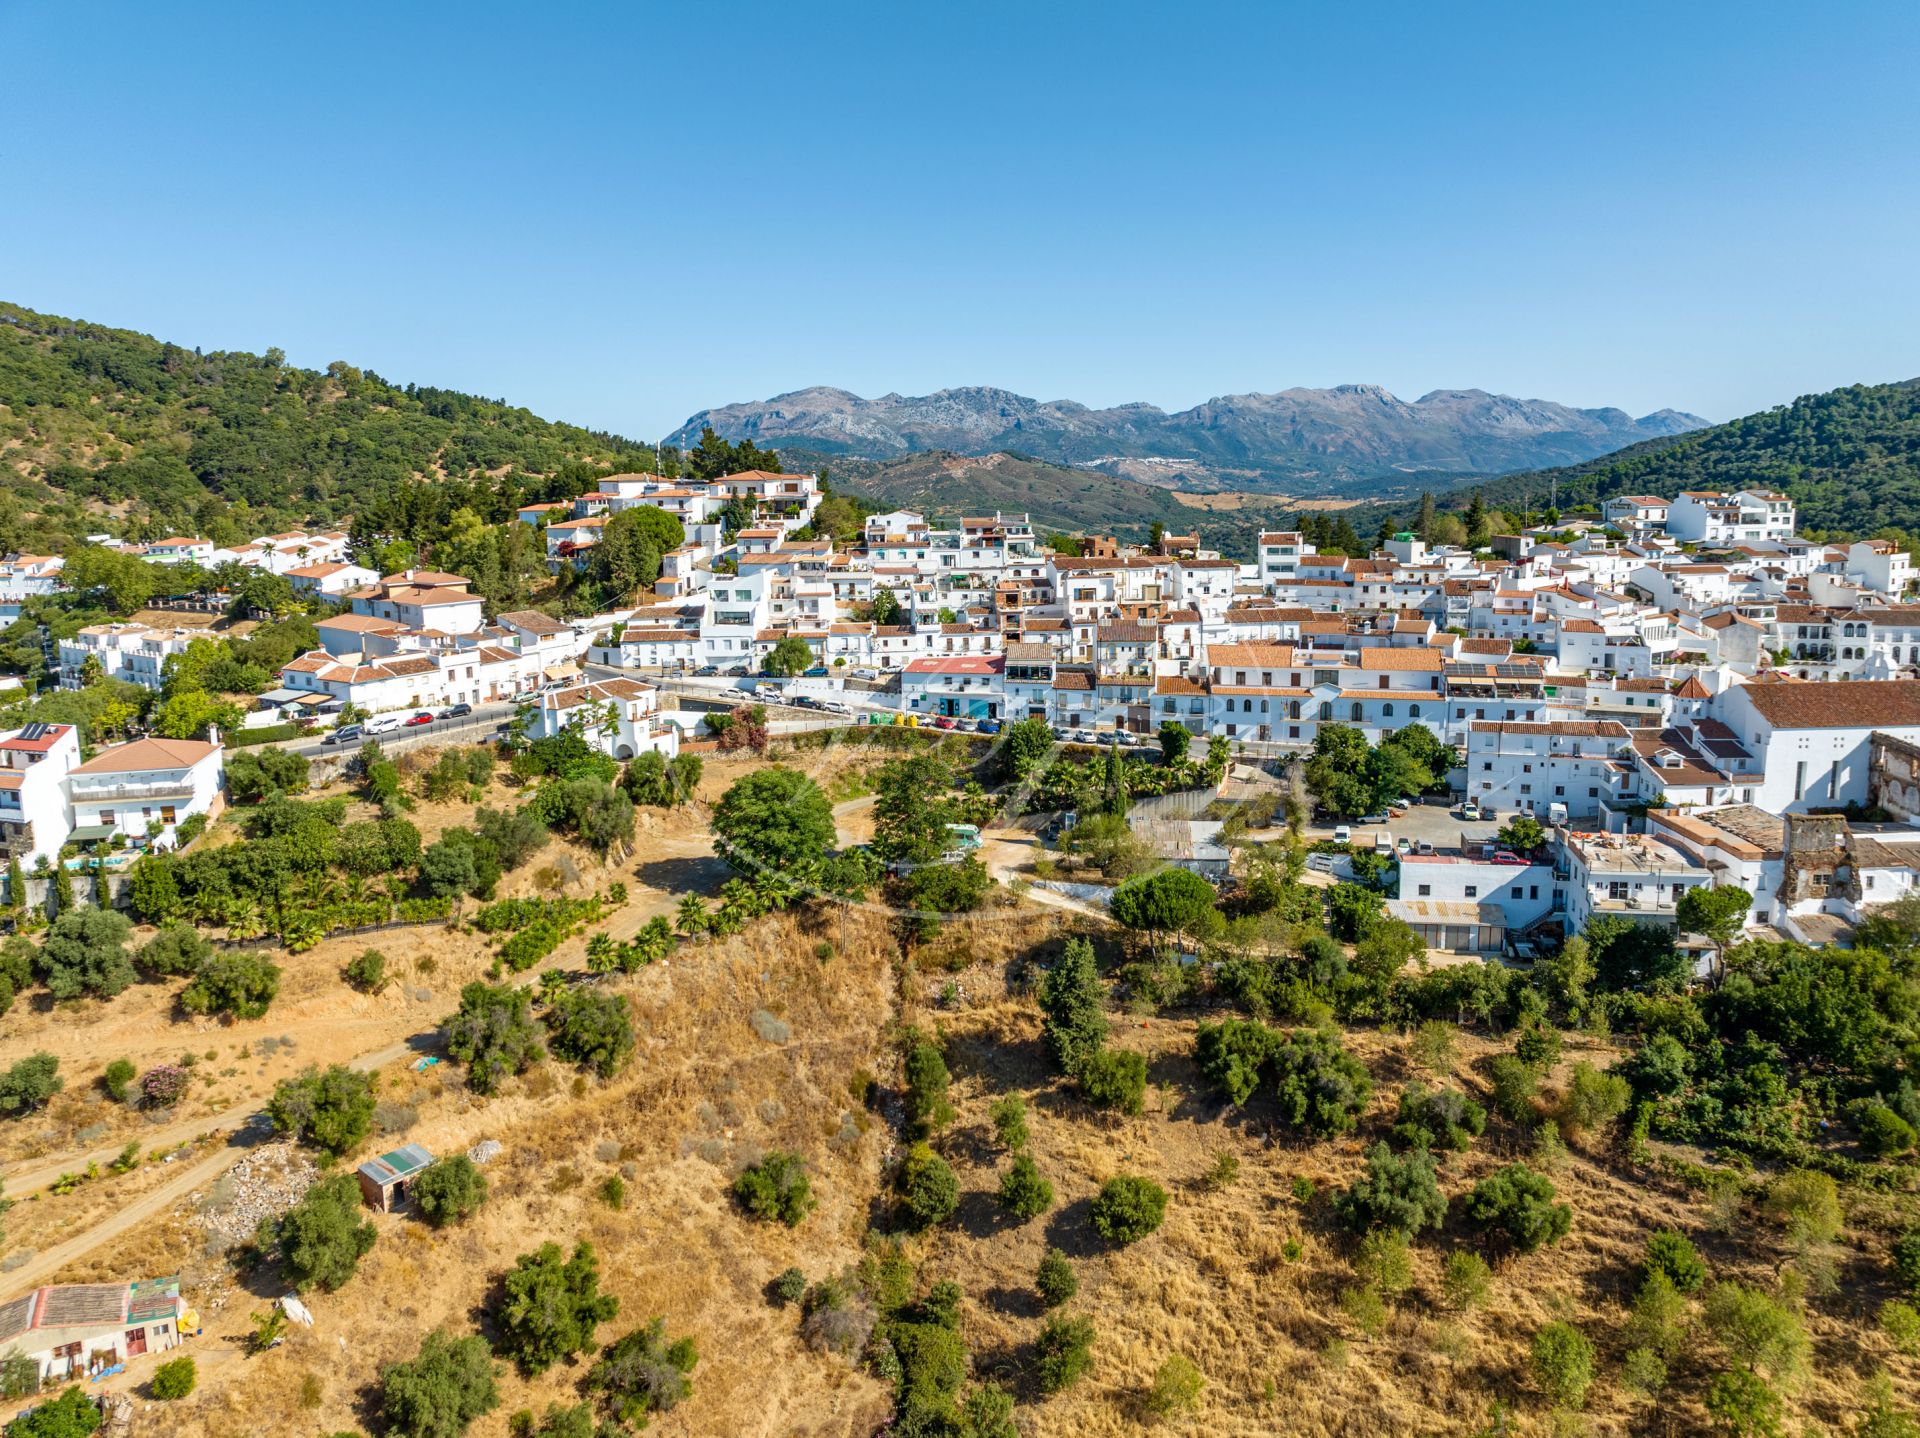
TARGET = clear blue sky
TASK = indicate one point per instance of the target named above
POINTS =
(620, 213)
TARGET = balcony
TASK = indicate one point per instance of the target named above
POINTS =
(88, 793)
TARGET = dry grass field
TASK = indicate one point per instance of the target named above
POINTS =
(755, 1042)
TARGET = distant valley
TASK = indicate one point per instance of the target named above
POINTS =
(1298, 441)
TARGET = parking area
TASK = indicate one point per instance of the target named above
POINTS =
(1438, 826)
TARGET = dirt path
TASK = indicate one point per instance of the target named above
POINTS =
(45, 1264)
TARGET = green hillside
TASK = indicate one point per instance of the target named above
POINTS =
(108, 428)
(1850, 459)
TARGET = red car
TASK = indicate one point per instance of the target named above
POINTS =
(423, 717)
(1506, 856)
(943, 722)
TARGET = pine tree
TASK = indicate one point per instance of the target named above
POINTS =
(1425, 527)
(1075, 1005)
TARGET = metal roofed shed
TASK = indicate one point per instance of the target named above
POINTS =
(384, 1181)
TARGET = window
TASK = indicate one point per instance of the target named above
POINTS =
(1426, 890)
(1356, 711)
(1516, 890)
(1473, 891)
(1386, 711)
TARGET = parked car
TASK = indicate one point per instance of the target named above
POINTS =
(455, 711)
(942, 722)
(1470, 812)
(989, 726)
(1342, 834)
(1399, 806)
(1423, 847)
(1377, 819)
(425, 716)
(706, 671)
(382, 724)
(1404, 845)
(345, 734)
(1505, 856)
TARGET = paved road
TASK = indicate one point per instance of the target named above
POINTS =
(468, 730)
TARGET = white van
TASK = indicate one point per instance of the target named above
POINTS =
(1556, 815)
(383, 724)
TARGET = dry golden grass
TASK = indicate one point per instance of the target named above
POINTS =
(1218, 1283)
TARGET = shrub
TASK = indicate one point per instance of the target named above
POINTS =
(1643, 1370)
(448, 1190)
(1062, 1353)
(1176, 1388)
(368, 972)
(927, 1077)
(1672, 1253)
(1438, 1118)
(177, 950)
(790, 1285)
(1055, 1282)
(1883, 1133)
(174, 1379)
(1009, 1115)
(19, 1375)
(643, 1373)
(550, 1304)
(1906, 1260)
(1516, 1204)
(117, 1079)
(1226, 1168)
(776, 1188)
(613, 1191)
(1114, 1078)
(321, 1238)
(1901, 1324)
(86, 955)
(441, 1391)
(1658, 1318)
(1562, 1364)
(493, 1034)
(1807, 1203)
(1127, 1209)
(1538, 1047)
(330, 1111)
(1397, 1191)
(71, 1415)
(1385, 1262)
(1073, 1002)
(1744, 1404)
(1465, 1279)
(1322, 1088)
(1232, 1053)
(1592, 1099)
(928, 1190)
(1367, 1309)
(1756, 1329)
(592, 1030)
(1514, 1085)
(164, 1085)
(240, 986)
(1024, 1190)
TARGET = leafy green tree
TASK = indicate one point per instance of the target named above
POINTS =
(448, 1190)
(1744, 1405)
(1562, 1363)
(29, 1084)
(71, 1415)
(912, 807)
(1233, 1053)
(1716, 913)
(643, 1373)
(886, 607)
(1627, 955)
(1593, 1098)
(1398, 1191)
(1672, 1253)
(928, 1190)
(1176, 1388)
(777, 1187)
(1322, 1089)
(1336, 770)
(240, 984)
(1516, 1204)
(367, 971)
(1026, 743)
(1176, 741)
(1073, 1001)
(117, 1078)
(1024, 1191)
(791, 656)
(1522, 833)
(776, 821)
(1172, 901)
(1757, 1330)
(449, 869)
(176, 950)
(1465, 1279)
(1514, 1085)
(494, 1034)
(550, 1304)
(593, 1030)
(85, 954)
(152, 892)
(331, 1110)
(260, 773)
(1128, 1208)
(438, 1395)
(322, 1238)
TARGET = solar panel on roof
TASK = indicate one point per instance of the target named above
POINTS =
(35, 730)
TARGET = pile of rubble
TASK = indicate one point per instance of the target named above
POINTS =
(264, 1184)
(482, 1151)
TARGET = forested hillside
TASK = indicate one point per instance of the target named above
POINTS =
(1850, 458)
(99, 423)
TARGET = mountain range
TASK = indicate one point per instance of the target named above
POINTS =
(1302, 441)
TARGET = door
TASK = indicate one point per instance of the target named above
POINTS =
(136, 1342)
